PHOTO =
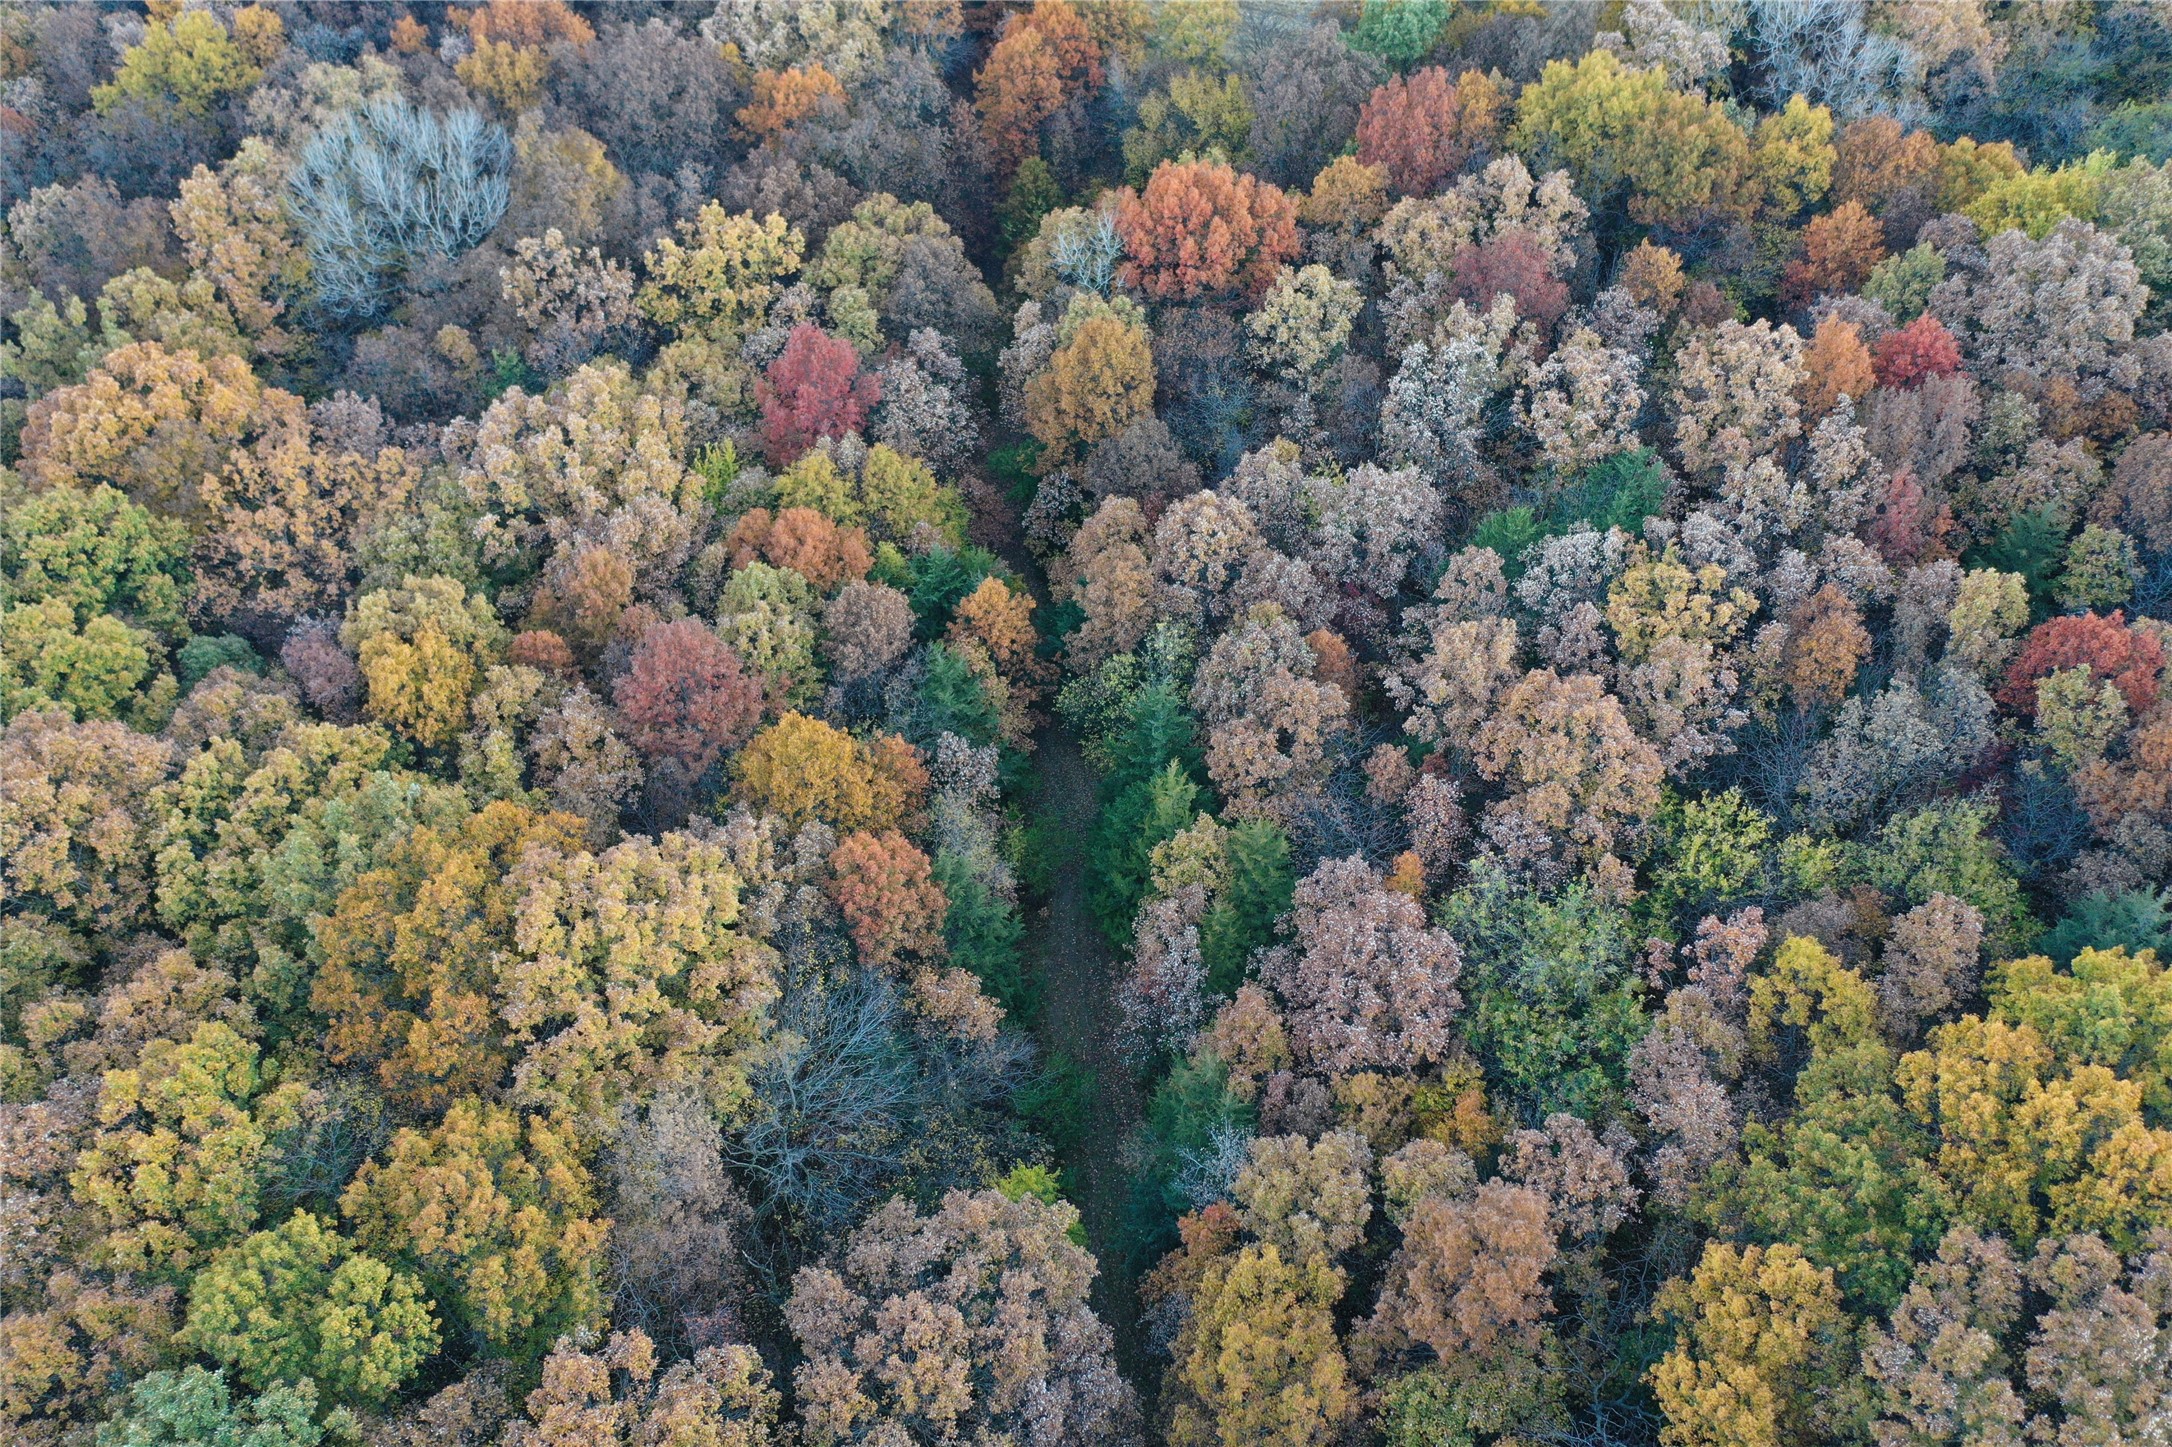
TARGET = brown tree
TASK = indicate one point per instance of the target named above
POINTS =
(968, 1324)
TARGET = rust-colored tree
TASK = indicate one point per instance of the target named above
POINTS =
(1425, 129)
(1203, 229)
(2107, 646)
(887, 892)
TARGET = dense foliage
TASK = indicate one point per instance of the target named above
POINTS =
(1221, 722)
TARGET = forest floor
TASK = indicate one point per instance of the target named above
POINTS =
(1079, 1017)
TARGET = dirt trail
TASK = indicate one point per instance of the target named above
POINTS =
(1078, 970)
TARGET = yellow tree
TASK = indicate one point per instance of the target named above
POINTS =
(1761, 1348)
(497, 1213)
(423, 647)
(1257, 1363)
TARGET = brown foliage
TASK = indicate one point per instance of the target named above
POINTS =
(887, 892)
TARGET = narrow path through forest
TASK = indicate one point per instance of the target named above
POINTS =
(1079, 1015)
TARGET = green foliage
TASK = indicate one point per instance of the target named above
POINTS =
(2109, 1006)
(1508, 532)
(953, 699)
(1121, 863)
(1401, 32)
(1550, 998)
(2131, 919)
(1192, 1104)
(2032, 544)
(984, 934)
(1033, 194)
(298, 1302)
(938, 580)
(1619, 492)
(195, 1408)
(1706, 853)
(1058, 1103)
(188, 62)
(196, 659)
(1243, 915)
(99, 552)
(1947, 848)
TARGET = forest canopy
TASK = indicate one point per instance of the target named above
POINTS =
(1226, 723)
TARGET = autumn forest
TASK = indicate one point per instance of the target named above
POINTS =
(1040, 723)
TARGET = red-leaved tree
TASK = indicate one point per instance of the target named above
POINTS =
(814, 389)
(1922, 349)
(2107, 647)
(1423, 130)
(687, 696)
(1203, 229)
(1514, 262)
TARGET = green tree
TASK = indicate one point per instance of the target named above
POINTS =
(195, 1408)
(1140, 817)
(1549, 985)
(1256, 894)
(299, 1302)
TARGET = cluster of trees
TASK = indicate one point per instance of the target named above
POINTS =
(1611, 560)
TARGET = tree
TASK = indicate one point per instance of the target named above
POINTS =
(282, 530)
(1309, 1200)
(2131, 659)
(618, 1392)
(801, 768)
(177, 1170)
(866, 628)
(1202, 229)
(1256, 1361)
(388, 186)
(1907, 355)
(411, 952)
(814, 389)
(1303, 322)
(1469, 1279)
(190, 62)
(1144, 812)
(1735, 394)
(98, 551)
(495, 1211)
(720, 276)
(1425, 129)
(1044, 58)
(153, 423)
(971, 1321)
(1305, 103)
(687, 697)
(422, 648)
(1369, 985)
(78, 820)
(1836, 364)
(1760, 1344)
(298, 1303)
(1939, 1363)
(1839, 249)
(1570, 766)
(196, 1407)
(1095, 385)
(1631, 141)
(891, 903)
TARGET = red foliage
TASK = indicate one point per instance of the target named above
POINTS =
(686, 695)
(1906, 527)
(1202, 229)
(1423, 130)
(541, 648)
(1908, 355)
(814, 389)
(1514, 262)
(2107, 647)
